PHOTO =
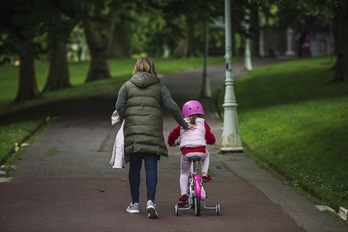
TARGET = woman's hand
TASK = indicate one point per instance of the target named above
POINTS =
(191, 126)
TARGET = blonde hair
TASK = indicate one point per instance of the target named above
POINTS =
(145, 64)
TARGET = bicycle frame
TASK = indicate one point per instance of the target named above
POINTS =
(197, 183)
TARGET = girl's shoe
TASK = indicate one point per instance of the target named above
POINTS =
(182, 200)
(207, 179)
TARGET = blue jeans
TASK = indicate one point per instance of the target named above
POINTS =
(135, 163)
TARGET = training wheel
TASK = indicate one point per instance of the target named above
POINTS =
(218, 208)
(176, 210)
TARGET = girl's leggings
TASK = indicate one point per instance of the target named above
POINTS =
(185, 166)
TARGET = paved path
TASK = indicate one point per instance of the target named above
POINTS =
(64, 181)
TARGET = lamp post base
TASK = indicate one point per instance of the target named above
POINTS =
(231, 149)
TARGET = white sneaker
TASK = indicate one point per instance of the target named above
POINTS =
(133, 208)
(150, 209)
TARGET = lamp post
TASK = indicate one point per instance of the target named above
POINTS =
(261, 41)
(230, 136)
(247, 54)
(206, 89)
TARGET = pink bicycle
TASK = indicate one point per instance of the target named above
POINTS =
(196, 192)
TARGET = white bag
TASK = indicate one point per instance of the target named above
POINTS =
(115, 118)
(117, 157)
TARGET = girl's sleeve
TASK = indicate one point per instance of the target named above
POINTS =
(209, 137)
(172, 107)
(174, 135)
(121, 101)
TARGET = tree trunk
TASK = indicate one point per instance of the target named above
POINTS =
(205, 88)
(181, 49)
(97, 43)
(27, 87)
(119, 45)
(186, 44)
(58, 74)
(182, 46)
(98, 36)
(191, 52)
(341, 66)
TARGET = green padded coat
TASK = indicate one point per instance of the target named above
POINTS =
(139, 104)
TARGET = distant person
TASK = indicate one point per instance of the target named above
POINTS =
(305, 44)
(139, 104)
(272, 52)
(192, 143)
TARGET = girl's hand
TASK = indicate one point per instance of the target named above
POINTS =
(177, 142)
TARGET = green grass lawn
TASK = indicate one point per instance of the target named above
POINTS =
(19, 121)
(78, 72)
(292, 118)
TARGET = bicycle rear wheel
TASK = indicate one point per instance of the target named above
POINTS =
(197, 203)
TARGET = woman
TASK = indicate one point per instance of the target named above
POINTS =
(139, 103)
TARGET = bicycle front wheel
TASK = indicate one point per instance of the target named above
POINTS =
(197, 203)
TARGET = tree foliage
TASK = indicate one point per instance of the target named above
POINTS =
(172, 27)
(121, 28)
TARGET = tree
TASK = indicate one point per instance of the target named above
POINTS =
(150, 33)
(66, 17)
(27, 88)
(58, 74)
(119, 46)
(22, 22)
(192, 24)
(98, 28)
(30, 25)
(183, 27)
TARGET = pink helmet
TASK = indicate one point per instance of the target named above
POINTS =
(192, 107)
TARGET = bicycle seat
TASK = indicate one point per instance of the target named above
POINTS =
(194, 158)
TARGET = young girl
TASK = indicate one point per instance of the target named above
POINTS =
(192, 143)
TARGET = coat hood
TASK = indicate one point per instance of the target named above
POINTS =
(144, 79)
